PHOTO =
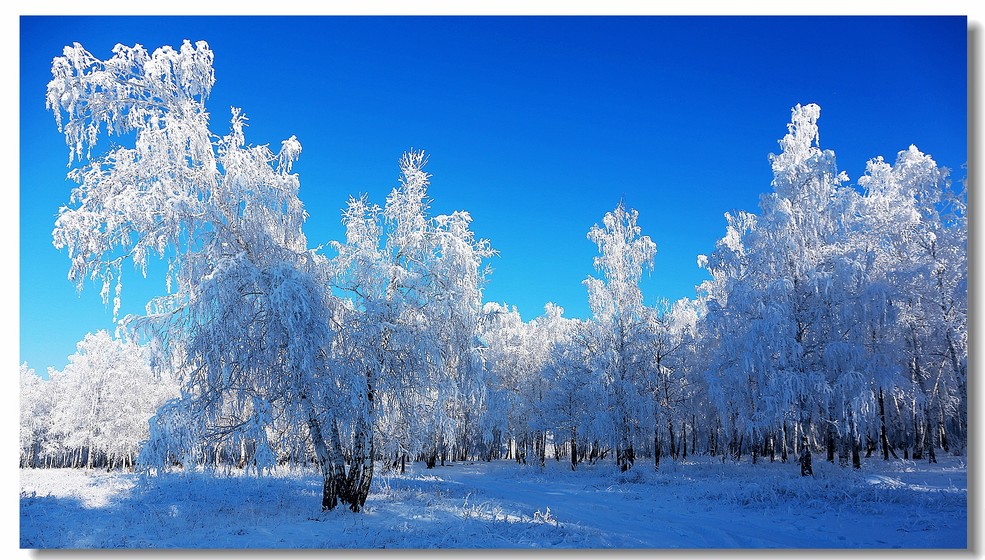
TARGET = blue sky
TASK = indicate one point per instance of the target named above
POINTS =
(535, 125)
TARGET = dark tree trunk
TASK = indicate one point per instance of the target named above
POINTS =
(806, 468)
(929, 442)
(574, 448)
(656, 450)
(882, 427)
(694, 435)
(360, 476)
(625, 457)
(831, 443)
(683, 440)
(670, 432)
(783, 445)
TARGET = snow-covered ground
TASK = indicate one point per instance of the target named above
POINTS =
(695, 504)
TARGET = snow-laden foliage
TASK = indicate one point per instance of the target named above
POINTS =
(132, 203)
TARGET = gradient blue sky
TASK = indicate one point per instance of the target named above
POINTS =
(536, 125)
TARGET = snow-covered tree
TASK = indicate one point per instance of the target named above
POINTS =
(35, 416)
(504, 337)
(543, 380)
(617, 307)
(519, 381)
(415, 283)
(249, 321)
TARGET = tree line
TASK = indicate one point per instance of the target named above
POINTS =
(833, 320)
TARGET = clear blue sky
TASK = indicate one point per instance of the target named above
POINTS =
(536, 125)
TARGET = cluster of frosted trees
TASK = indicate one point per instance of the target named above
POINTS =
(835, 318)
(95, 412)
(840, 314)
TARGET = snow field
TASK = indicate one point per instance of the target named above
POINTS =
(694, 504)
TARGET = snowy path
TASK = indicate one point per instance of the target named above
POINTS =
(504, 505)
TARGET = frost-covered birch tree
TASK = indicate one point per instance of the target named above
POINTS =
(504, 335)
(460, 276)
(36, 404)
(617, 308)
(542, 382)
(248, 321)
(518, 383)
(415, 284)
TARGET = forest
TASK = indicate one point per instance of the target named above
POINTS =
(833, 322)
